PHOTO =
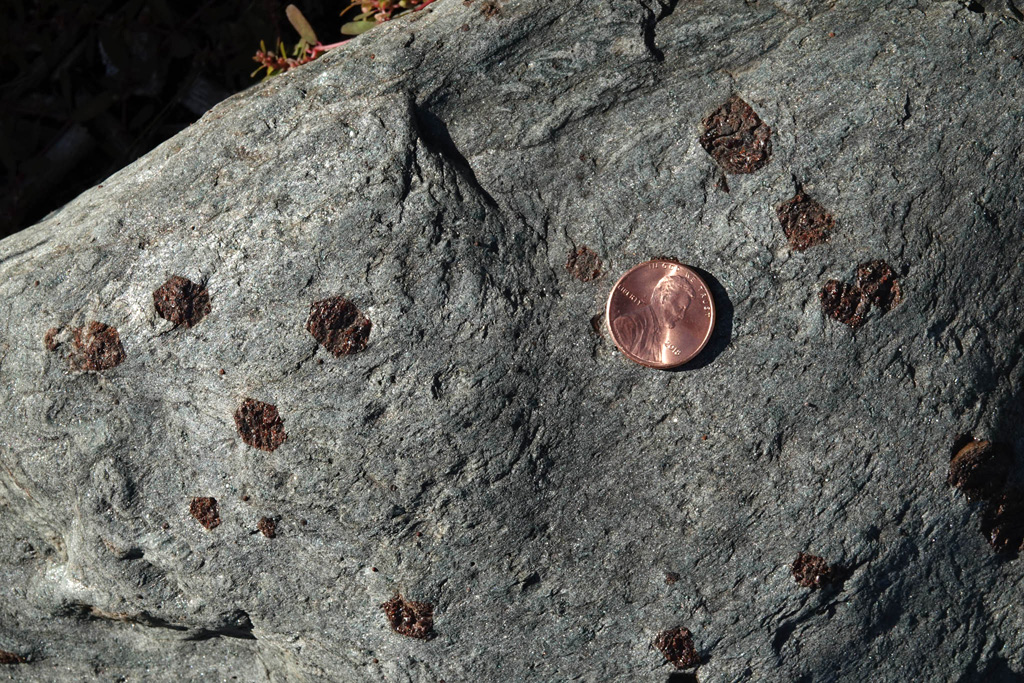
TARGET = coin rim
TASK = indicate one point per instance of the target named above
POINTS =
(647, 364)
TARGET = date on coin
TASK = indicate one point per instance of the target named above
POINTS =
(660, 314)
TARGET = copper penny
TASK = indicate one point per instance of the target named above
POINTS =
(660, 314)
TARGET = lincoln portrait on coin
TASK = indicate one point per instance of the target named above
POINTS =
(646, 332)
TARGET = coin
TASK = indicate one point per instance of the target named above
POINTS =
(660, 314)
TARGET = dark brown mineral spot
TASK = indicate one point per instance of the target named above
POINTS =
(811, 571)
(267, 527)
(979, 469)
(877, 280)
(584, 264)
(181, 301)
(205, 511)
(677, 646)
(671, 578)
(1003, 521)
(338, 325)
(11, 658)
(50, 339)
(413, 619)
(259, 425)
(596, 323)
(805, 222)
(844, 302)
(96, 346)
(490, 8)
(736, 137)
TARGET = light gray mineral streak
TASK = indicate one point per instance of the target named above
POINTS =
(488, 453)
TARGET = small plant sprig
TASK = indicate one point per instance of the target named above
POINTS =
(373, 12)
(309, 47)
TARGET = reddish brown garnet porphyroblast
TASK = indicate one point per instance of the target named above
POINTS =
(660, 314)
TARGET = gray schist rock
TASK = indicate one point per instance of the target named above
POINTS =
(488, 456)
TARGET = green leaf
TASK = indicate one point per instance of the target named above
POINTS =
(300, 24)
(354, 28)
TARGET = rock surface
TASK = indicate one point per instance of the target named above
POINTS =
(488, 454)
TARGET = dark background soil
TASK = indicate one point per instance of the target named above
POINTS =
(91, 86)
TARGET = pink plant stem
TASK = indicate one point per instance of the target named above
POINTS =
(320, 48)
